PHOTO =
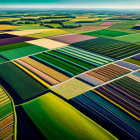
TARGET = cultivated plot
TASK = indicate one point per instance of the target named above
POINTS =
(105, 32)
(7, 121)
(103, 74)
(48, 33)
(133, 38)
(109, 47)
(7, 27)
(47, 43)
(13, 40)
(106, 113)
(20, 84)
(71, 88)
(72, 38)
(27, 32)
(47, 113)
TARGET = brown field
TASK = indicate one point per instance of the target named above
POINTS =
(38, 73)
(45, 69)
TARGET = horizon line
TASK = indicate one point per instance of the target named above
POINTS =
(38, 6)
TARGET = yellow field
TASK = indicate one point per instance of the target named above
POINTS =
(27, 32)
(71, 88)
(48, 33)
(7, 27)
(47, 43)
(57, 119)
(8, 19)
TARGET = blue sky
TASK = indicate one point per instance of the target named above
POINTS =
(75, 3)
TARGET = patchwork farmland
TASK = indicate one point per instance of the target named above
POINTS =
(69, 75)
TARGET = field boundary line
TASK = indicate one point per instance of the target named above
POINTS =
(91, 70)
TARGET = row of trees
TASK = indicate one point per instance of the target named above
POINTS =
(6, 22)
(62, 25)
(56, 17)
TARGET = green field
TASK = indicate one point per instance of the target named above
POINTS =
(109, 47)
(2, 60)
(5, 110)
(104, 32)
(130, 60)
(57, 119)
(30, 27)
(21, 52)
(124, 30)
(14, 46)
(133, 38)
(67, 57)
(124, 25)
(75, 31)
(28, 88)
(60, 63)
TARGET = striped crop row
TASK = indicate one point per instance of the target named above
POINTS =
(51, 114)
(45, 69)
(57, 59)
(129, 85)
(103, 74)
(108, 47)
(22, 85)
(135, 76)
(115, 106)
(71, 88)
(6, 116)
(127, 65)
(107, 114)
(134, 60)
(92, 58)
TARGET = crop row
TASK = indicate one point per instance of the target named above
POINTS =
(134, 60)
(53, 115)
(6, 116)
(103, 74)
(71, 88)
(20, 84)
(107, 114)
(45, 69)
(109, 47)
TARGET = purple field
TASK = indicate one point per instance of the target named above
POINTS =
(72, 38)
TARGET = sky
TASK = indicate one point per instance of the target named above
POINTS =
(118, 4)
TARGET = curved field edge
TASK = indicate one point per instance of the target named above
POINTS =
(47, 113)
(14, 111)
